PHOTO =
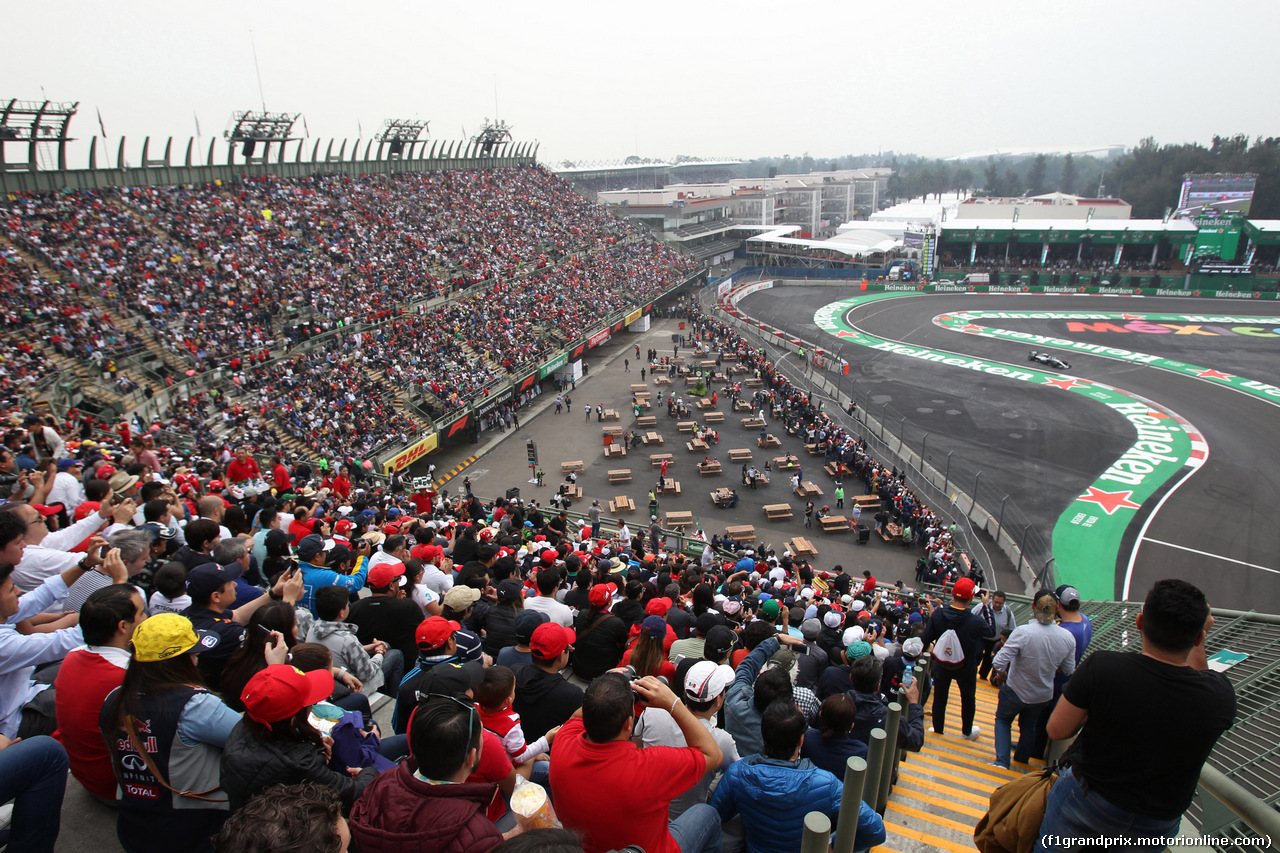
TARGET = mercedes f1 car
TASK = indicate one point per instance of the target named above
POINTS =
(1049, 360)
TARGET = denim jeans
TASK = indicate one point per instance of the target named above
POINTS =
(1028, 715)
(33, 773)
(392, 672)
(1071, 813)
(697, 830)
(966, 680)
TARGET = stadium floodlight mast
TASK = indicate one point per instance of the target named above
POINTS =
(34, 123)
(491, 135)
(396, 133)
(250, 127)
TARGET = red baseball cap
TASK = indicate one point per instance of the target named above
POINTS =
(658, 606)
(426, 553)
(344, 526)
(104, 472)
(549, 556)
(280, 691)
(550, 640)
(83, 510)
(46, 510)
(602, 594)
(385, 574)
(435, 631)
(964, 588)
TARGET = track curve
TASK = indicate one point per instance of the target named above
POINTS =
(1045, 448)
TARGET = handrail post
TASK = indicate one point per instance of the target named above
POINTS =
(817, 833)
(876, 754)
(891, 722)
(855, 777)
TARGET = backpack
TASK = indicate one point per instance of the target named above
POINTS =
(948, 649)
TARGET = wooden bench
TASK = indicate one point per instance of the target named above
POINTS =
(769, 441)
(686, 426)
(611, 414)
(640, 389)
(777, 511)
(697, 444)
(728, 356)
(614, 431)
(801, 547)
(711, 467)
(762, 478)
(867, 501)
(652, 438)
(838, 470)
(741, 533)
(679, 519)
(707, 365)
(721, 497)
(714, 417)
(574, 467)
(738, 368)
(834, 523)
(669, 486)
(740, 454)
(622, 503)
(615, 450)
(717, 376)
(891, 533)
(753, 382)
(656, 459)
(786, 463)
(753, 423)
(678, 361)
(705, 404)
(620, 475)
(815, 449)
(741, 405)
(573, 491)
(662, 379)
(647, 421)
(808, 490)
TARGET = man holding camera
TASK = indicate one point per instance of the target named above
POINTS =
(593, 758)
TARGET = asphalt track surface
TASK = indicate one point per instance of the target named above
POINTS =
(1044, 448)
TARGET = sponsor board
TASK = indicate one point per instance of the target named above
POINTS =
(598, 338)
(553, 365)
(633, 316)
(412, 454)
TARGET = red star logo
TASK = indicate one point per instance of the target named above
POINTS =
(1132, 317)
(1066, 384)
(946, 318)
(846, 334)
(972, 328)
(1215, 374)
(1109, 501)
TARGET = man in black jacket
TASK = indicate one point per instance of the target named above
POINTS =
(956, 634)
(544, 698)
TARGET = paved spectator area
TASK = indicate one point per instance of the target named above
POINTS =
(570, 436)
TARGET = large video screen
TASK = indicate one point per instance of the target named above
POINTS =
(1221, 194)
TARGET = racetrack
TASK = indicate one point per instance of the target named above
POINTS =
(1046, 448)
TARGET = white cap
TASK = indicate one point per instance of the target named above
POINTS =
(852, 634)
(833, 619)
(706, 680)
(857, 605)
(912, 647)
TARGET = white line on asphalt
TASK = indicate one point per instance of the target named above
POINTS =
(1212, 555)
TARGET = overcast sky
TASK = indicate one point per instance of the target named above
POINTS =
(602, 81)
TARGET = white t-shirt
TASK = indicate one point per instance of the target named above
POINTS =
(557, 612)
(656, 727)
(423, 595)
(160, 604)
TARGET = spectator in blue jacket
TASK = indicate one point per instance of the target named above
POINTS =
(312, 557)
(775, 790)
(751, 693)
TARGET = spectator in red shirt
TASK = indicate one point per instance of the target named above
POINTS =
(280, 477)
(87, 675)
(243, 468)
(593, 758)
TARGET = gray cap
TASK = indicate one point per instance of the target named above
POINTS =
(810, 628)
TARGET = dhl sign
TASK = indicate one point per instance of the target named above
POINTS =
(412, 454)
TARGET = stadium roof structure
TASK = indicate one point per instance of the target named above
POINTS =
(855, 243)
(34, 123)
(1263, 232)
(1069, 230)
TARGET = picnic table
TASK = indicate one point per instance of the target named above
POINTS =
(753, 382)
(808, 490)
(614, 431)
(786, 463)
(640, 388)
(669, 486)
(867, 501)
(647, 421)
(686, 426)
(815, 449)
(834, 523)
(837, 470)
(662, 379)
(704, 404)
(610, 414)
(769, 441)
(741, 405)
(801, 547)
(721, 497)
(652, 438)
(620, 475)
(714, 417)
(697, 444)
(738, 368)
(741, 533)
(777, 511)
(753, 423)
(683, 518)
(712, 467)
(573, 491)
(740, 454)
(574, 467)
(615, 450)
(622, 503)
(891, 532)
(656, 459)
(728, 356)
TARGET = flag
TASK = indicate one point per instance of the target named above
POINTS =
(101, 126)
(305, 128)
(197, 118)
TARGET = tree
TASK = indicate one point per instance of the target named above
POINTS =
(962, 179)
(991, 177)
(1035, 177)
(1067, 178)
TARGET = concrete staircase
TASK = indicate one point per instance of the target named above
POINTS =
(943, 790)
(401, 398)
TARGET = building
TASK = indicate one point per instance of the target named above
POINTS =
(1048, 206)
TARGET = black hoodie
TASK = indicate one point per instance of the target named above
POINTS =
(544, 700)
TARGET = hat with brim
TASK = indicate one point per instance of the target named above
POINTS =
(280, 691)
(122, 482)
(167, 635)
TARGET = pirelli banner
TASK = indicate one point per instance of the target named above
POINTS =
(412, 454)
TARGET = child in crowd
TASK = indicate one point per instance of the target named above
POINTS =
(494, 698)
(171, 590)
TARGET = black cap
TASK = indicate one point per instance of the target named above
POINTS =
(706, 622)
(206, 579)
(527, 621)
(450, 679)
(719, 640)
